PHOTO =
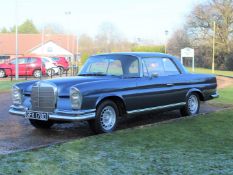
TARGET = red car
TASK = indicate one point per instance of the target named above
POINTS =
(62, 63)
(28, 66)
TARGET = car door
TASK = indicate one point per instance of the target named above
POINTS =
(22, 66)
(158, 86)
(12, 66)
(31, 65)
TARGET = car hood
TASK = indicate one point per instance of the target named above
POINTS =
(63, 84)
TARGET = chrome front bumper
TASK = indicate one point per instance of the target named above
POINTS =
(216, 95)
(58, 115)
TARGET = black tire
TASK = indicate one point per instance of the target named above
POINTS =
(50, 72)
(2, 73)
(37, 73)
(187, 109)
(61, 70)
(41, 124)
(97, 125)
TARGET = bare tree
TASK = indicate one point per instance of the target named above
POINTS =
(86, 44)
(109, 39)
(178, 41)
(200, 27)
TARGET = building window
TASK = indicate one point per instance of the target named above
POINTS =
(49, 49)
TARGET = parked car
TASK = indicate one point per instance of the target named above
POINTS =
(111, 86)
(62, 63)
(51, 66)
(27, 66)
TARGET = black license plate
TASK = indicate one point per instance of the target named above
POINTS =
(37, 115)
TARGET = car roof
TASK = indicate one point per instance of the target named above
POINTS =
(138, 54)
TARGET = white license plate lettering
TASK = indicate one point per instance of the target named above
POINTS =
(37, 115)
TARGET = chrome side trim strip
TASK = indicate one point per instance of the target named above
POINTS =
(156, 108)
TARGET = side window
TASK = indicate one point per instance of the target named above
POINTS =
(55, 59)
(169, 67)
(32, 60)
(115, 68)
(154, 65)
(22, 60)
(12, 61)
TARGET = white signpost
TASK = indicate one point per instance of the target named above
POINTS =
(188, 53)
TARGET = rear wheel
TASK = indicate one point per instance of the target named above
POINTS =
(2, 73)
(41, 124)
(50, 72)
(61, 70)
(107, 115)
(37, 73)
(192, 105)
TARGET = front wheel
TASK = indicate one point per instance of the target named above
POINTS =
(2, 73)
(192, 105)
(107, 115)
(41, 124)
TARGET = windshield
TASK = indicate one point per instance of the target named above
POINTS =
(112, 65)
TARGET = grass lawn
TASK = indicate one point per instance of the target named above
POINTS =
(5, 86)
(209, 71)
(200, 145)
(225, 96)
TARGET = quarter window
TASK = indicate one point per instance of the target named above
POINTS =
(153, 65)
(133, 68)
(169, 67)
(160, 66)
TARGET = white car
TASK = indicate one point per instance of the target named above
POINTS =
(50, 66)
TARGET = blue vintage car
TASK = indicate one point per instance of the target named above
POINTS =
(111, 86)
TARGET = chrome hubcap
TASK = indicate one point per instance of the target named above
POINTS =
(2, 74)
(193, 104)
(108, 118)
(37, 73)
(50, 72)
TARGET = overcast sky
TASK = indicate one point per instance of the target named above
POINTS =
(134, 18)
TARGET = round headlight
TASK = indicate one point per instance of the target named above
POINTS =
(16, 95)
(76, 98)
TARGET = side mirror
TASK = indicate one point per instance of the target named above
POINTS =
(154, 75)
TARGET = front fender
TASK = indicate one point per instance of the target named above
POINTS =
(111, 97)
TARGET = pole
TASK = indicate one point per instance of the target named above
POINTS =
(213, 59)
(42, 50)
(16, 42)
(193, 64)
(165, 46)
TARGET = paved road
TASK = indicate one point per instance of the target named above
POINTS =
(17, 134)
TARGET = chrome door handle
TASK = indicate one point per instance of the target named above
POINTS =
(170, 84)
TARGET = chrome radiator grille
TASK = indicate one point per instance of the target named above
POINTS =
(43, 98)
